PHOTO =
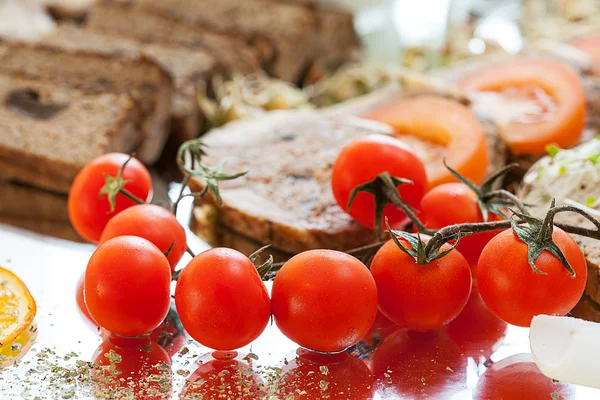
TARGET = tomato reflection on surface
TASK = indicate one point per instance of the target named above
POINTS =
(518, 378)
(169, 334)
(223, 375)
(381, 328)
(313, 376)
(476, 330)
(419, 365)
(132, 368)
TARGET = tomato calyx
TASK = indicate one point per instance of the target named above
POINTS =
(422, 252)
(537, 235)
(384, 189)
(489, 200)
(210, 175)
(265, 267)
(115, 185)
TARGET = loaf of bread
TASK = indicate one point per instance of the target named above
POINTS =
(187, 67)
(291, 30)
(50, 131)
(124, 20)
(142, 78)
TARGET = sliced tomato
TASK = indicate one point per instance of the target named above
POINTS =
(591, 46)
(538, 101)
(439, 129)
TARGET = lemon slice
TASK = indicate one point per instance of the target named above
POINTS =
(17, 308)
(19, 347)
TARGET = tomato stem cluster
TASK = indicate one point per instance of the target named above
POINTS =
(536, 233)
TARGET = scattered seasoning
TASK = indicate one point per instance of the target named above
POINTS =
(184, 351)
(323, 385)
(324, 370)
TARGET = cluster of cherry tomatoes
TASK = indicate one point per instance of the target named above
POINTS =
(428, 295)
(324, 300)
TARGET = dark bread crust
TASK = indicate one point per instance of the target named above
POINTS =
(147, 82)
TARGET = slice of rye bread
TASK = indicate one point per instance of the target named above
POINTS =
(20, 201)
(187, 67)
(50, 131)
(36, 210)
(285, 199)
(292, 30)
(231, 50)
(147, 82)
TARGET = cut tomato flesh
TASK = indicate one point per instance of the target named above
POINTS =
(439, 129)
(527, 104)
(539, 102)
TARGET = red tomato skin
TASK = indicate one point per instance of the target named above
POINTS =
(89, 213)
(127, 286)
(454, 203)
(365, 158)
(79, 298)
(150, 222)
(515, 293)
(324, 300)
(221, 300)
(518, 378)
(420, 297)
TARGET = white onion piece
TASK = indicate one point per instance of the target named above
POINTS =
(566, 349)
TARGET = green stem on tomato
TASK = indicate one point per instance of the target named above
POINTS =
(131, 196)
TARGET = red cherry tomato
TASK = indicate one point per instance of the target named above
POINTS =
(127, 286)
(476, 329)
(365, 158)
(419, 296)
(518, 378)
(515, 293)
(151, 222)
(89, 213)
(419, 365)
(223, 379)
(314, 376)
(221, 300)
(133, 368)
(455, 203)
(79, 297)
(324, 300)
